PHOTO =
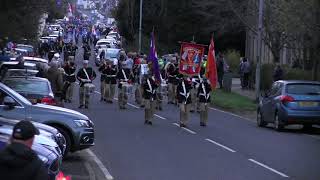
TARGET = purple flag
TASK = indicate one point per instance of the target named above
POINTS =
(154, 59)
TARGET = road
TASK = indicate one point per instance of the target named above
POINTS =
(230, 147)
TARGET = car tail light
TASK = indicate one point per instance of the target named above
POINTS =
(48, 101)
(286, 99)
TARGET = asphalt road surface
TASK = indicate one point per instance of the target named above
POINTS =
(229, 148)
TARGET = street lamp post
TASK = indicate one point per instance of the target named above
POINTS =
(258, 68)
(140, 26)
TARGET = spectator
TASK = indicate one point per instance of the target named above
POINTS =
(18, 160)
(56, 79)
(278, 73)
(245, 69)
(220, 70)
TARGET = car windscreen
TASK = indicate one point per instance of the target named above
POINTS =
(32, 87)
(103, 43)
(29, 49)
(112, 53)
(303, 89)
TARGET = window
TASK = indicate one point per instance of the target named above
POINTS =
(303, 89)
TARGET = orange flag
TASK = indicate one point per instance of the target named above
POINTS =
(211, 68)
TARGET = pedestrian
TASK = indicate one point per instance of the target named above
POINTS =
(110, 81)
(246, 70)
(220, 69)
(240, 71)
(102, 79)
(124, 79)
(18, 161)
(184, 99)
(149, 95)
(70, 79)
(85, 76)
(56, 80)
(204, 92)
(278, 73)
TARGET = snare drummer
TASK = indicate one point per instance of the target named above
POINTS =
(124, 77)
(85, 75)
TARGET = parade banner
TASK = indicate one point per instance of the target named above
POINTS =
(191, 58)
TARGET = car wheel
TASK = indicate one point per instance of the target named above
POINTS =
(277, 123)
(307, 127)
(68, 140)
(260, 121)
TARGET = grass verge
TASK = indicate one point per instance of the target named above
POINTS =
(232, 101)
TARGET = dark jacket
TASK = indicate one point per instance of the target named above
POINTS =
(82, 76)
(122, 78)
(70, 73)
(56, 80)
(204, 97)
(149, 92)
(172, 75)
(101, 68)
(184, 97)
(110, 74)
(18, 162)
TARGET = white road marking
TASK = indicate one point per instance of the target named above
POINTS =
(269, 168)
(97, 92)
(132, 105)
(186, 129)
(90, 170)
(100, 165)
(232, 114)
(156, 115)
(218, 144)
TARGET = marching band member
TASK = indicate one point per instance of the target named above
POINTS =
(102, 80)
(85, 75)
(172, 73)
(204, 92)
(149, 94)
(184, 99)
(194, 90)
(70, 79)
(110, 81)
(124, 78)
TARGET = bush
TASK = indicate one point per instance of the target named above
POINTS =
(266, 76)
(233, 60)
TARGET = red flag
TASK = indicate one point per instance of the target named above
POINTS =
(211, 68)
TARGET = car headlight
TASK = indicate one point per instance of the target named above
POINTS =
(82, 123)
(43, 159)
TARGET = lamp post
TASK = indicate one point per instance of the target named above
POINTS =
(140, 26)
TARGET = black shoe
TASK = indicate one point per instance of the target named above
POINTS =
(146, 122)
(150, 123)
(203, 124)
(86, 107)
(111, 102)
(192, 111)
(81, 106)
(183, 125)
(160, 108)
(142, 106)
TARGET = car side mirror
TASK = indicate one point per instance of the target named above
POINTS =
(9, 102)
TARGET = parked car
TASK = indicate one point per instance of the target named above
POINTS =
(35, 89)
(77, 129)
(44, 130)
(29, 48)
(49, 158)
(112, 54)
(5, 66)
(105, 43)
(290, 102)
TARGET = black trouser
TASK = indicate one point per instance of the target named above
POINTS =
(245, 80)
(220, 79)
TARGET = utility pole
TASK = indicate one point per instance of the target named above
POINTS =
(140, 26)
(258, 68)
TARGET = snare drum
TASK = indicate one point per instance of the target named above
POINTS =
(89, 88)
